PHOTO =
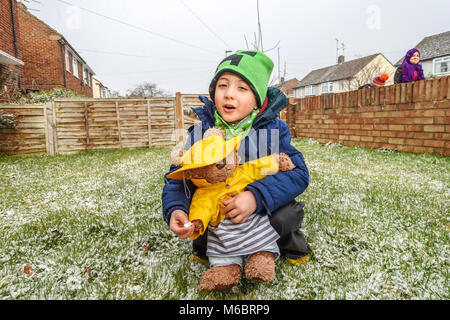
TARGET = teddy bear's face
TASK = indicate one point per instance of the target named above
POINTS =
(217, 172)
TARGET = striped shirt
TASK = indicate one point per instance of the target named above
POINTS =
(233, 239)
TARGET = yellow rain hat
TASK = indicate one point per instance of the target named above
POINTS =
(204, 153)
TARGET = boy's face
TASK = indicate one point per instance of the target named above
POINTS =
(233, 98)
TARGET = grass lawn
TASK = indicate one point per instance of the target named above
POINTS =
(89, 226)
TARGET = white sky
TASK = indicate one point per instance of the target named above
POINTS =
(178, 44)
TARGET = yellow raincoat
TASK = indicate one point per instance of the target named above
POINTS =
(207, 203)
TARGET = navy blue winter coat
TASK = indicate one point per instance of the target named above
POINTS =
(269, 135)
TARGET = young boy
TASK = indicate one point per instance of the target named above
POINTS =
(243, 104)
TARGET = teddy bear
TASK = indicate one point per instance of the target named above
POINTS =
(213, 165)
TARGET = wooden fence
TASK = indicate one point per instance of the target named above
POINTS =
(67, 126)
(31, 134)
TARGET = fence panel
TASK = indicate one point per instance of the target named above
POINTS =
(113, 123)
(29, 136)
(190, 101)
(163, 121)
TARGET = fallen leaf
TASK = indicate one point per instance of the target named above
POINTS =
(134, 189)
(27, 270)
(87, 270)
(145, 249)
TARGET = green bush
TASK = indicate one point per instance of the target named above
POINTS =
(44, 96)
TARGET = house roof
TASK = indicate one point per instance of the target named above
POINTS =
(431, 47)
(289, 85)
(335, 72)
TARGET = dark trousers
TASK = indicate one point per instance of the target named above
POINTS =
(287, 221)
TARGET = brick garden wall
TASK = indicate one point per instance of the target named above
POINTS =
(411, 117)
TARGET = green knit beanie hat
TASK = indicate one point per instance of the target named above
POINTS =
(254, 67)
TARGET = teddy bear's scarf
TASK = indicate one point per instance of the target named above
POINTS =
(232, 130)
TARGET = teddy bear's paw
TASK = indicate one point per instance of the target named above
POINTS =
(285, 162)
(198, 225)
(221, 278)
(175, 157)
(260, 267)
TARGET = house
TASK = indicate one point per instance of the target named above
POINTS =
(9, 50)
(287, 87)
(34, 56)
(434, 55)
(345, 76)
(49, 59)
(99, 90)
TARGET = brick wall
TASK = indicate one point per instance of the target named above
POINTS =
(6, 29)
(411, 117)
(9, 74)
(43, 57)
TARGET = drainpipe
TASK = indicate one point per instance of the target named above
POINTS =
(63, 55)
(16, 48)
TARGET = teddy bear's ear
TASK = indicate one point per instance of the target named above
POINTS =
(214, 132)
(175, 157)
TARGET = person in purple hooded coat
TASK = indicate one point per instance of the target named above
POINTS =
(411, 69)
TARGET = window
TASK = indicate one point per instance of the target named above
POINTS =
(327, 87)
(67, 61)
(301, 92)
(441, 65)
(341, 85)
(75, 67)
(309, 90)
(86, 77)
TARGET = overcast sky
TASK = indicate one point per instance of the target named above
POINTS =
(177, 44)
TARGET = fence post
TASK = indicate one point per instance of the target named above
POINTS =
(118, 124)
(86, 124)
(49, 129)
(55, 128)
(149, 120)
(46, 131)
(291, 116)
(179, 118)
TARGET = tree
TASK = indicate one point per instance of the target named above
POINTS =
(147, 90)
(115, 94)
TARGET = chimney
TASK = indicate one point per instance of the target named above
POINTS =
(282, 80)
(341, 59)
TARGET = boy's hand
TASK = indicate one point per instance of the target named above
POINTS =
(177, 221)
(240, 207)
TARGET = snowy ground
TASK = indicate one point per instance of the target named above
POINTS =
(89, 226)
